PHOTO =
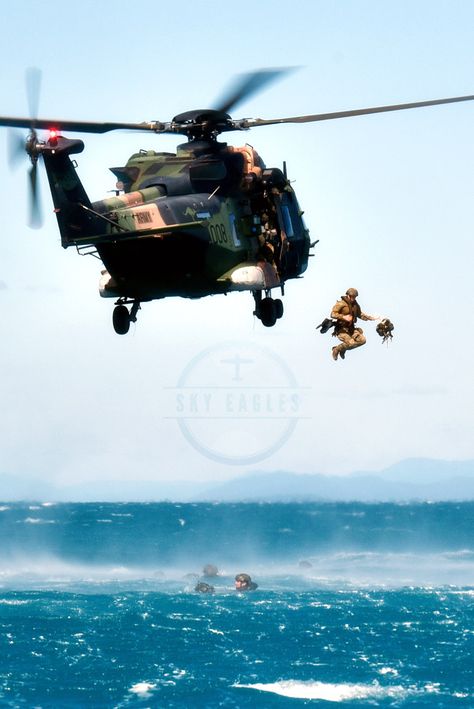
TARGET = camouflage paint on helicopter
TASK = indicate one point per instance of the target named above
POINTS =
(209, 219)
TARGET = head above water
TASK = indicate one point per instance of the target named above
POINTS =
(210, 570)
(243, 580)
(202, 587)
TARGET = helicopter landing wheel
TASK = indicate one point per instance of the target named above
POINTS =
(268, 312)
(278, 308)
(121, 320)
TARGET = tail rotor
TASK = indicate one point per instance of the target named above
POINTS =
(17, 146)
(35, 217)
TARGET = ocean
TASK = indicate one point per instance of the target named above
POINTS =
(357, 605)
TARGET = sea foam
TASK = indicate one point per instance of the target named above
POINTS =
(328, 692)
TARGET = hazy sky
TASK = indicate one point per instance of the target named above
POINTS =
(389, 197)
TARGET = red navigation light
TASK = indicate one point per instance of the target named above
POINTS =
(53, 136)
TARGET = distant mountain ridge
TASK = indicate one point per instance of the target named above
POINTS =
(426, 470)
(410, 479)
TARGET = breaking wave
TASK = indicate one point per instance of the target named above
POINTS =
(338, 692)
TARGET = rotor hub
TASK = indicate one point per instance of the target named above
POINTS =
(202, 124)
(32, 146)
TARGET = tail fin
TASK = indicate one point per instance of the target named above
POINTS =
(69, 195)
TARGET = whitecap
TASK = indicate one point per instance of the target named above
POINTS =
(295, 689)
(38, 520)
(142, 689)
(388, 671)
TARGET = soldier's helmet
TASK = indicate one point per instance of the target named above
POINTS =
(203, 587)
(243, 578)
(352, 291)
(210, 570)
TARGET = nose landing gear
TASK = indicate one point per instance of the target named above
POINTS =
(122, 317)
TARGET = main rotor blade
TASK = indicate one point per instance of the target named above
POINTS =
(248, 84)
(82, 126)
(254, 122)
(33, 84)
(243, 124)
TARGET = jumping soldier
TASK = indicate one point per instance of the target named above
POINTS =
(346, 312)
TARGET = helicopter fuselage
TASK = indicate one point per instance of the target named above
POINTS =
(209, 219)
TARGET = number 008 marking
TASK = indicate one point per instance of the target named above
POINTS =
(218, 234)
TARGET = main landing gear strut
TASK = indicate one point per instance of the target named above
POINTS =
(122, 317)
(267, 309)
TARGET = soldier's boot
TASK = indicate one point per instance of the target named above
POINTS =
(335, 352)
(342, 352)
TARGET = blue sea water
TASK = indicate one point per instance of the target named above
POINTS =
(357, 605)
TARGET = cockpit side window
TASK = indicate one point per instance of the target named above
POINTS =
(205, 176)
(214, 170)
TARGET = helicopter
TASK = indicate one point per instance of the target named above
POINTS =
(207, 219)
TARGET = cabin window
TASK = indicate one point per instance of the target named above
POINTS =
(287, 223)
(233, 229)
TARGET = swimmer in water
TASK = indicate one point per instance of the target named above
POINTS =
(203, 587)
(243, 582)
